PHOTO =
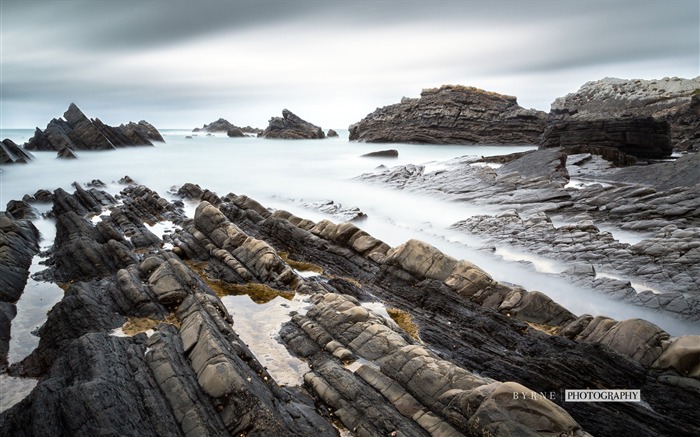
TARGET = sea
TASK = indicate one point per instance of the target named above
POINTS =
(293, 175)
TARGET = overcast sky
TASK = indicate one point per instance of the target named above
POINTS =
(184, 63)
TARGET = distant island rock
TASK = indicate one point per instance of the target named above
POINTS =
(11, 153)
(452, 114)
(292, 127)
(331, 133)
(77, 132)
(675, 100)
(390, 153)
(223, 125)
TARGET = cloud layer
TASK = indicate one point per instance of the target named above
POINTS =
(184, 63)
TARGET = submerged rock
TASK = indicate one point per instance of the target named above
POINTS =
(66, 153)
(77, 132)
(390, 153)
(292, 127)
(452, 114)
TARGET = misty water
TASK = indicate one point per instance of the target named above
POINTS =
(290, 174)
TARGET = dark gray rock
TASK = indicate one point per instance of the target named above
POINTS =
(66, 153)
(11, 153)
(640, 137)
(77, 132)
(452, 114)
(292, 127)
(390, 153)
(331, 133)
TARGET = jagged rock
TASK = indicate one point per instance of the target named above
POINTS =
(77, 132)
(223, 125)
(674, 99)
(391, 153)
(331, 133)
(291, 127)
(11, 153)
(66, 153)
(640, 137)
(452, 114)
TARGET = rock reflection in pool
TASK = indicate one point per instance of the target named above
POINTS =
(258, 325)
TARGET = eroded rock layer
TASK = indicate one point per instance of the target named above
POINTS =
(474, 342)
(452, 114)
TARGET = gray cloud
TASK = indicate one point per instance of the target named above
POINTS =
(174, 62)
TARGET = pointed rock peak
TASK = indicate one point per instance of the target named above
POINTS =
(286, 113)
(74, 114)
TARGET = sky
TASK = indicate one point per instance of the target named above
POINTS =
(183, 63)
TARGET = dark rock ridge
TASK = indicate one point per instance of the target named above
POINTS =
(77, 132)
(452, 114)
(478, 341)
(291, 127)
(223, 125)
(675, 100)
(19, 242)
(11, 153)
(640, 137)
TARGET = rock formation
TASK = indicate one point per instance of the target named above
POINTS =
(11, 153)
(452, 114)
(640, 137)
(291, 127)
(77, 132)
(450, 366)
(331, 133)
(389, 153)
(223, 125)
(674, 99)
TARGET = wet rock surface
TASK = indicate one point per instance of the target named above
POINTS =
(292, 127)
(478, 342)
(452, 114)
(77, 132)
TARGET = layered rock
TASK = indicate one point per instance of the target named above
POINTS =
(223, 125)
(191, 373)
(77, 132)
(292, 127)
(452, 114)
(11, 153)
(675, 100)
(19, 242)
(640, 137)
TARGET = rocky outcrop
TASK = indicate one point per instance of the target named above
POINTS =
(223, 125)
(77, 132)
(640, 137)
(190, 373)
(292, 127)
(452, 114)
(675, 100)
(331, 133)
(66, 153)
(19, 242)
(11, 153)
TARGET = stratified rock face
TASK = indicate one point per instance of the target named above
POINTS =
(452, 114)
(673, 99)
(77, 132)
(291, 127)
(640, 137)
(66, 153)
(11, 153)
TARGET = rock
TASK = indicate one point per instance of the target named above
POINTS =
(21, 210)
(66, 153)
(291, 127)
(235, 133)
(683, 355)
(390, 153)
(76, 132)
(674, 99)
(331, 133)
(11, 153)
(452, 114)
(223, 125)
(640, 137)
